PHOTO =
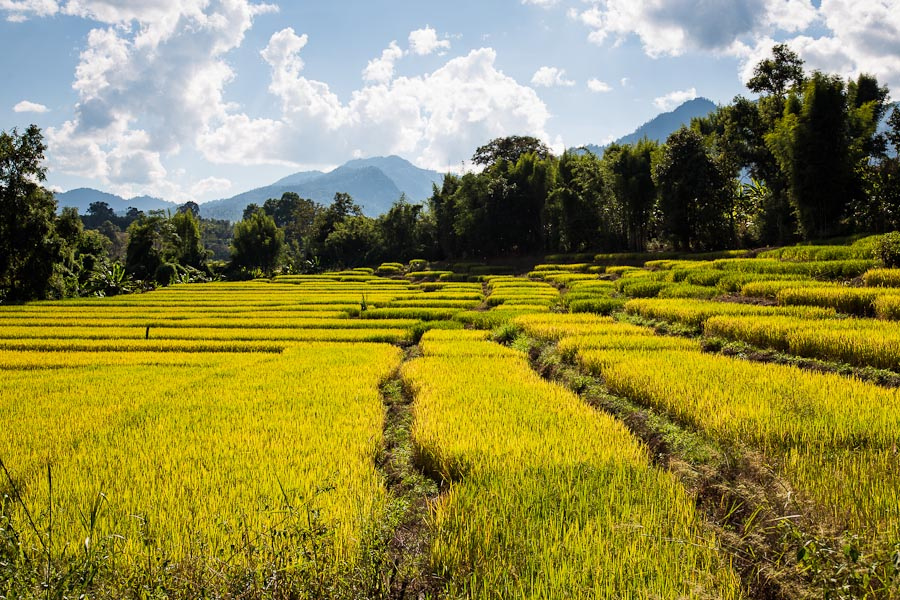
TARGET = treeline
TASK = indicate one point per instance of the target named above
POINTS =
(806, 160)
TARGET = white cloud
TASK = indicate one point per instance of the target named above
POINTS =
(148, 84)
(27, 106)
(210, 185)
(598, 87)
(862, 37)
(381, 70)
(151, 84)
(674, 99)
(848, 37)
(865, 34)
(544, 3)
(672, 27)
(20, 10)
(551, 77)
(434, 118)
(425, 41)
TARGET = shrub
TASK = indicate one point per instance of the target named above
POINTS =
(888, 249)
(166, 273)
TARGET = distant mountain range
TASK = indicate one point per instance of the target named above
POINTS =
(375, 183)
(81, 198)
(662, 126)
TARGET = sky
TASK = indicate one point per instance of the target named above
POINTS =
(204, 99)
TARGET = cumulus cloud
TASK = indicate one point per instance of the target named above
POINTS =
(551, 77)
(672, 27)
(20, 10)
(152, 77)
(433, 118)
(861, 37)
(425, 41)
(210, 185)
(674, 99)
(865, 34)
(26, 106)
(843, 36)
(598, 87)
(381, 70)
(148, 83)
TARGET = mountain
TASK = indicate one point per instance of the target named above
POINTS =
(298, 178)
(414, 182)
(81, 198)
(660, 127)
(374, 183)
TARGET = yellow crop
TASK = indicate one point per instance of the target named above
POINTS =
(860, 342)
(807, 423)
(695, 312)
(549, 498)
(208, 463)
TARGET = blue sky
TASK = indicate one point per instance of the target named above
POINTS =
(202, 99)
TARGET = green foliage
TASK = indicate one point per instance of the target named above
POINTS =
(574, 205)
(404, 231)
(29, 246)
(257, 243)
(150, 244)
(778, 74)
(812, 145)
(354, 241)
(509, 149)
(296, 216)
(694, 196)
(627, 171)
(888, 249)
(187, 243)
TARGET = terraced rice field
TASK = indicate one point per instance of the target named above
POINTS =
(237, 440)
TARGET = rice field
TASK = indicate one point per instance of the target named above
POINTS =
(228, 440)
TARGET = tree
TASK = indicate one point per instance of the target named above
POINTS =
(29, 246)
(746, 125)
(628, 176)
(98, 213)
(296, 216)
(442, 204)
(149, 238)
(879, 211)
(812, 145)
(257, 243)
(327, 220)
(250, 210)
(574, 207)
(187, 242)
(190, 207)
(401, 233)
(354, 242)
(82, 253)
(509, 149)
(694, 195)
(778, 74)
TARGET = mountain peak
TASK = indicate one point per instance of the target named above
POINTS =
(664, 124)
(375, 183)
